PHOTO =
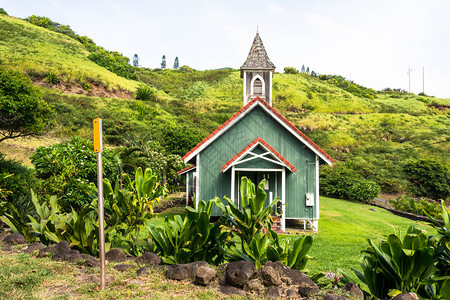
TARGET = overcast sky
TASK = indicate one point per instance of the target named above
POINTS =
(370, 42)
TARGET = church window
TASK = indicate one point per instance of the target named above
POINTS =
(257, 87)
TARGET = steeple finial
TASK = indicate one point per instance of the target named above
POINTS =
(257, 29)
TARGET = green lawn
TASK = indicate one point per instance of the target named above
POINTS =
(344, 228)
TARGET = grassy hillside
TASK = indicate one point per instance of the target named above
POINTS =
(373, 133)
(37, 51)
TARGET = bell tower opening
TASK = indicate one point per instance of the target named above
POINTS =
(257, 87)
(257, 72)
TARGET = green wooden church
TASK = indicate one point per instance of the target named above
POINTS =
(259, 143)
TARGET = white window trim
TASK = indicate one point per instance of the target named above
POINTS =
(263, 84)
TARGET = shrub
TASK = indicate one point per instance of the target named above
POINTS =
(347, 184)
(20, 181)
(428, 178)
(3, 12)
(23, 112)
(290, 70)
(68, 168)
(52, 78)
(146, 93)
(409, 204)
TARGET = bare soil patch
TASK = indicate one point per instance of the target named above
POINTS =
(96, 90)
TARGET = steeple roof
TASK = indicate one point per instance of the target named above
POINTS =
(257, 57)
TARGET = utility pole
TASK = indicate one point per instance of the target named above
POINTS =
(423, 80)
(409, 79)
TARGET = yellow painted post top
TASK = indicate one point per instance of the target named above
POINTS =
(98, 145)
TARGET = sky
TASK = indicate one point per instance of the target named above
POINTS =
(373, 43)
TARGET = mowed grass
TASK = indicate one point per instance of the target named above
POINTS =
(344, 228)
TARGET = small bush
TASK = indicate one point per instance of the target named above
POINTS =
(428, 179)
(146, 93)
(52, 78)
(20, 181)
(290, 70)
(3, 12)
(411, 205)
(68, 168)
(347, 184)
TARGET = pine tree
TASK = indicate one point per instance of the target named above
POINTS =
(163, 63)
(303, 68)
(176, 64)
(136, 60)
(307, 70)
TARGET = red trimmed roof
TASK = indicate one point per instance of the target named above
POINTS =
(186, 169)
(260, 141)
(246, 107)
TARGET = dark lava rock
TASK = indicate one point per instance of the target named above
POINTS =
(15, 239)
(407, 296)
(90, 260)
(33, 247)
(295, 277)
(191, 268)
(63, 246)
(184, 271)
(292, 294)
(8, 248)
(67, 255)
(116, 255)
(149, 259)
(353, 290)
(204, 275)
(231, 290)
(254, 284)
(123, 268)
(334, 297)
(239, 273)
(176, 272)
(273, 292)
(270, 276)
(142, 271)
(44, 251)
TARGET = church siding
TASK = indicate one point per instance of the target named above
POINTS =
(257, 123)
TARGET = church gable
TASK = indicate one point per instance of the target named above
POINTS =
(258, 154)
(257, 127)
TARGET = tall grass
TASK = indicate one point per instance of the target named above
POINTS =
(37, 51)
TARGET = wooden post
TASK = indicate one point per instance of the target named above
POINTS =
(98, 148)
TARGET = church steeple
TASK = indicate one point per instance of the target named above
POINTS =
(257, 72)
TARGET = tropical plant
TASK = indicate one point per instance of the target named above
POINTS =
(397, 265)
(146, 93)
(253, 225)
(129, 208)
(191, 238)
(15, 220)
(49, 220)
(253, 216)
(52, 78)
(441, 243)
(3, 191)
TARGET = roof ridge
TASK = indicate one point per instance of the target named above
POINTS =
(273, 110)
